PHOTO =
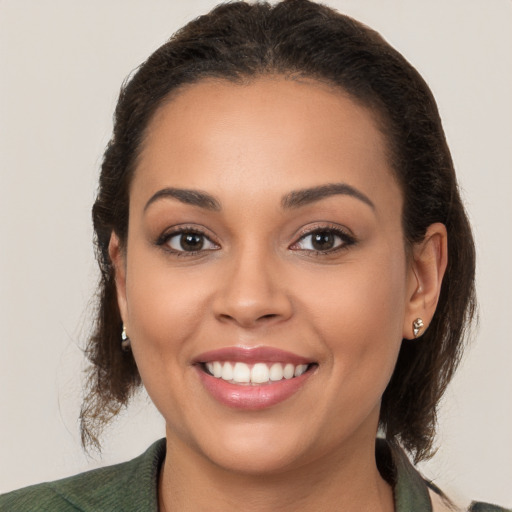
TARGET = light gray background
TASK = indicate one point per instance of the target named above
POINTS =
(61, 65)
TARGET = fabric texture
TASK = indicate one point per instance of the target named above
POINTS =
(132, 487)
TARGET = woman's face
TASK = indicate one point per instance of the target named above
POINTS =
(265, 240)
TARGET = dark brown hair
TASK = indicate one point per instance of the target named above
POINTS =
(238, 42)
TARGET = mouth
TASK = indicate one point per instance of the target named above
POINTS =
(253, 378)
(241, 373)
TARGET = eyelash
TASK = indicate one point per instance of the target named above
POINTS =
(346, 240)
(183, 230)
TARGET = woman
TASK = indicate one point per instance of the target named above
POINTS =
(286, 266)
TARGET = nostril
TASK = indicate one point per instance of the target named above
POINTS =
(247, 322)
(252, 312)
(267, 317)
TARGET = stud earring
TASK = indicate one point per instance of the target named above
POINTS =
(125, 341)
(417, 325)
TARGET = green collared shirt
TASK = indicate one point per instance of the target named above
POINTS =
(132, 487)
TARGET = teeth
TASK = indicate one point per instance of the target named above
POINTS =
(288, 371)
(276, 372)
(300, 369)
(217, 369)
(241, 373)
(227, 372)
(260, 373)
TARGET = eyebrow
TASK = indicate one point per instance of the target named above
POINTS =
(294, 199)
(306, 196)
(186, 196)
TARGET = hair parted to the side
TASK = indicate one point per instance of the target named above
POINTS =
(298, 38)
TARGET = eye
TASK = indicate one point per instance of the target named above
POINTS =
(323, 240)
(188, 241)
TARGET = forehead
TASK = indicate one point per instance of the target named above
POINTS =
(270, 134)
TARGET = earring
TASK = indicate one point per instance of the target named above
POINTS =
(417, 325)
(125, 341)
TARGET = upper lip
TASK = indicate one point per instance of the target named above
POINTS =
(251, 355)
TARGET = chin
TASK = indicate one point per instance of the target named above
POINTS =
(257, 461)
(259, 448)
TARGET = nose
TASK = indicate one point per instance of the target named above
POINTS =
(252, 292)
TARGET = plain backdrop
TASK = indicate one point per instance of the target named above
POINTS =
(61, 66)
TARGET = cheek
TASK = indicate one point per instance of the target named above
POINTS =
(164, 306)
(164, 309)
(367, 297)
(358, 311)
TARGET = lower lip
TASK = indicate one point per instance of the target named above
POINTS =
(249, 396)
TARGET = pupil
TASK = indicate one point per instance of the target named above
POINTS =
(191, 242)
(323, 241)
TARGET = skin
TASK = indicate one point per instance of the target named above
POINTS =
(257, 283)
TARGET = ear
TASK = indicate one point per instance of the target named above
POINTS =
(118, 258)
(426, 271)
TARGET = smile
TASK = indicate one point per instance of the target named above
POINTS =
(253, 378)
(258, 373)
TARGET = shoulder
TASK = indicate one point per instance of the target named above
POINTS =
(128, 486)
(442, 504)
(412, 491)
(40, 496)
(486, 507)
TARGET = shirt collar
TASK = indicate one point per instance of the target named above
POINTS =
(410, 490)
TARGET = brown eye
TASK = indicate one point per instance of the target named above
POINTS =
(323, 241)
(189, 241)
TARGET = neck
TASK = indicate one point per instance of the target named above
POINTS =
(348, 481)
